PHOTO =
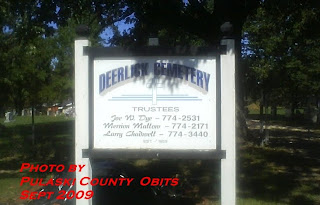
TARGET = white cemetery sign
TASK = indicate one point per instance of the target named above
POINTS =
(156, 103)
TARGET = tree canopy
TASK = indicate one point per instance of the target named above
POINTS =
(280, 51)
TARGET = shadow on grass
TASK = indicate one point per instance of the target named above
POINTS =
(54, 144)
(298, 200)
(198, 181)
(197, 178)
(298, 120)
(276, 172)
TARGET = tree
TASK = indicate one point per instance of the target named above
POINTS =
(283, 52)
(25, 59)
(188, 23)
(30, 39)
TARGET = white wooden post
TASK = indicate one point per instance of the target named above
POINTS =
(228, 142)
(82, 116)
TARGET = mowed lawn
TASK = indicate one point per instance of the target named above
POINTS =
(54, 144)
(286, 171)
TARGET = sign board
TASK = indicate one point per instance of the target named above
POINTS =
(154, 102)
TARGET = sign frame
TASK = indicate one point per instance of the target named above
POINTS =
(94, 53)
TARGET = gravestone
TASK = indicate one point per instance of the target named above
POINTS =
(313, 115)
(274, 111)
(9, 117)
(24, 112)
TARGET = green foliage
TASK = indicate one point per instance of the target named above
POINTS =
(37, 37)
(26, 69)
(283, 41)
(36, 58)
(183, 23)
(61, 85)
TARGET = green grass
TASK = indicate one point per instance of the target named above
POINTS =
(9, 189)
(54, 142)
(287, 171)
(26, 120)
(251, 201)
(253, 110)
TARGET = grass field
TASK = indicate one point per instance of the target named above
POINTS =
(287, 171)
(54, 144)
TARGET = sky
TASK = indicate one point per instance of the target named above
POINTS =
(107, 33)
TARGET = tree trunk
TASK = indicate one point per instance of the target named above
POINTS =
(262, 103)
(19, 104)
(318, 108)
(241, 124)
(293, 105)
(292, 110)
(274, 111)
(33, 127)
(261, 111)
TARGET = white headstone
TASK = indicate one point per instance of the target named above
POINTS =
(9, 117)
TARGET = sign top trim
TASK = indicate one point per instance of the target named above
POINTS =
(154, 51)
